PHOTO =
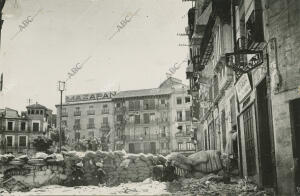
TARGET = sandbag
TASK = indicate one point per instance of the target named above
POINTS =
(213, 164)
(198, 157)
(180, 158)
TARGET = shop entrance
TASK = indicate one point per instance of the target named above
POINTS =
(266, 148)
(295, 122)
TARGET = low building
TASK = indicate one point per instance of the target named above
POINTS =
(87, 116)
(18, 131)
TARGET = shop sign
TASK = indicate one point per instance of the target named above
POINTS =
(243, 87)
(258, 74)
(90, 97)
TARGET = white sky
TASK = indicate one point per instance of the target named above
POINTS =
(67, 32)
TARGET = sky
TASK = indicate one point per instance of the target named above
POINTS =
(43, 40)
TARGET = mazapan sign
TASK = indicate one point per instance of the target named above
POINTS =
(90, 97)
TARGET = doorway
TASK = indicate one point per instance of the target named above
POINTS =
(295, 123)
(266, 145)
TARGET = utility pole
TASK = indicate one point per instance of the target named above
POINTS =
(61, 85)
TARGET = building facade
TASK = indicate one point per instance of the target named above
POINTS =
(18, 131)
(88, 116)
(244, 71)
(154, 120)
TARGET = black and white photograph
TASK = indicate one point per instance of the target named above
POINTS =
(150, 97)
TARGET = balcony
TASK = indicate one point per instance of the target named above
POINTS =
(90, 126)
(77, 127)
(179, 120)
(77, 113)
(162, 106)
(121, 109)
(64, 114)
(182, 134)
(90, 112)
(105, 127)
(147, 107)
(105, 111)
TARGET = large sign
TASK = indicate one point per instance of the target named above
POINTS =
(243, 87)
(90, 97)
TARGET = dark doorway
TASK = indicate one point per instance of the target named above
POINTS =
(295, 123)
(153, 147)
(266, 148)
(131, 148)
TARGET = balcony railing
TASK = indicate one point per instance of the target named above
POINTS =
(121, 109)
(162, 106)
(77, 127)
(90, 126)
(105, 111)
(90, 112)
(105, 126)
(77, 113)
(64, 114)
(184, 134)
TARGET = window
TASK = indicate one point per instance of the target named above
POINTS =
(146, 133)
(179, 100)
(146, 118)
(105, 120)
(41, 112)
(180, 146)
(187, 115)
(9, 140)
(22, 141)
(32, 111)
(36, 127)
(118, 105)
(77, 124)
(149, 104)
(164, 116)
(64, 123)
(119, 118)
(131, 134)
(134, 105)
(187, 99)
(131, 118)
(188, 129)
(152, 117)
(37, 111)
(77, 109)
(179, 116)
(10, 125)
(163, 131)
(137, 119)
(162, 101)
(91, 107)
(91, 124)
(23, 126)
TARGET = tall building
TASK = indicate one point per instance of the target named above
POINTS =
(18, 131)
(154, 120)
(245, 73)
(88, 116)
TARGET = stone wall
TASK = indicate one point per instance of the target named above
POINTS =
(283, 35)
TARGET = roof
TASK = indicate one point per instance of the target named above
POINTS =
(37, 106)
(143, 93)
(170, 82)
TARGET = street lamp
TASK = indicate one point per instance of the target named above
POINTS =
(61, 88)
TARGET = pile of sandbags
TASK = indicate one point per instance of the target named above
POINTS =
(180, 161)
(206, 161)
